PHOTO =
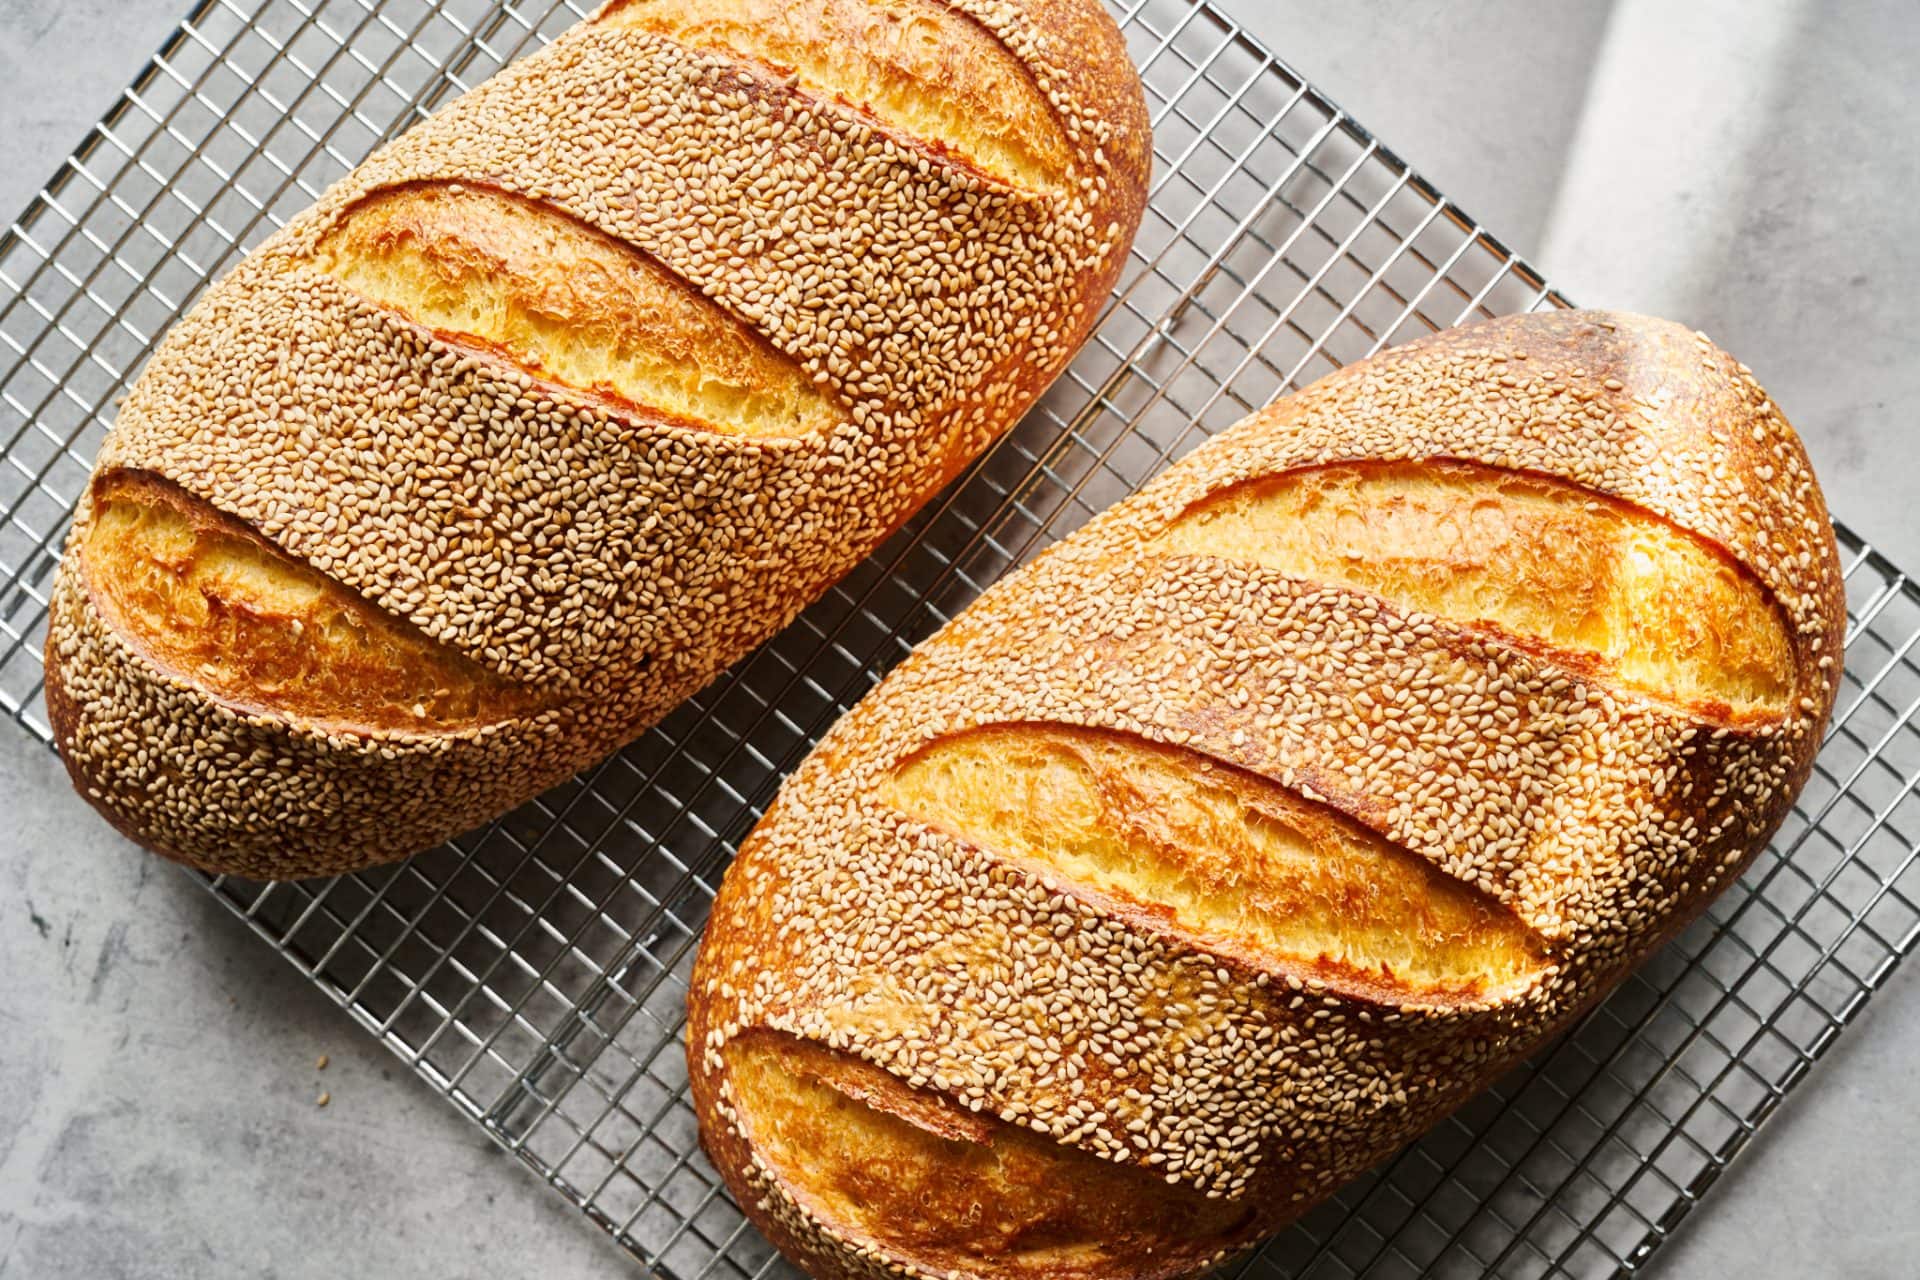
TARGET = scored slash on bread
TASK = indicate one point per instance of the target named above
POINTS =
(567, 399)
(1258, 824)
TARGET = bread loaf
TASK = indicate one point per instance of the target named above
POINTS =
(567, 399)
(1232, 843)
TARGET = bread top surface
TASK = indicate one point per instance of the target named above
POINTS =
(1260, 822)
(591, 381)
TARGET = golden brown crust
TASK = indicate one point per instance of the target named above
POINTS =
(505, 456)
(877, 57)
(209, 601)
(584, 314)
(1171, 841)
(852, 1145)
(1046, 993)
(1593, 584)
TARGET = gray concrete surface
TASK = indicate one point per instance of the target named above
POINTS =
(1747, 168)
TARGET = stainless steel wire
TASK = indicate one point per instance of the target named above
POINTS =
(534, 971)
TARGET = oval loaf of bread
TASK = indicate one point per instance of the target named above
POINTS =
(568, 398)
(1244, 834)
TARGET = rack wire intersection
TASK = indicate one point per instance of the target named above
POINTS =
(534, 972)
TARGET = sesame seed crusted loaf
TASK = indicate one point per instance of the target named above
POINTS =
(1241, 836)
(569, 397)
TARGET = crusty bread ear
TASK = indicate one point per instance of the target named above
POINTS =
(1251, 829)
(566, 400)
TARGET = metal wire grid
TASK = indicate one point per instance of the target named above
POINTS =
(534, 971)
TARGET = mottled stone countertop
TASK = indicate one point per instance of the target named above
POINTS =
(1748, 168)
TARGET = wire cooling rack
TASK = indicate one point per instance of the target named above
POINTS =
(534, 972)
